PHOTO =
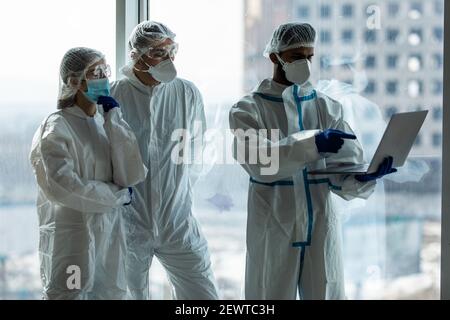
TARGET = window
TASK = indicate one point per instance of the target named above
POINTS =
(389, 240)
(415, 37)
(325, 11)
(303, 12)
(415, 88)
(347, 10)
(220, 196)
(391, 87)
(415, 63)
(371, 87)
(347, 36)
(325, 62)
(325, 36)
(438, 34)
(30, 75)
(371, 62)
(390, 111)
(392, 35)
(370, 36)
(416, 10)
(437, 139)
(393, 9)
(399, 233)
(418, 141)
(392, 61)
(437, 113)
(438, 87)
(439, 7)
(438, 61)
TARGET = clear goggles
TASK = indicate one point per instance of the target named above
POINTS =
(169, 50)
(99, 72)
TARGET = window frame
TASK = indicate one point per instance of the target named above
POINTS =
(129, 13)
(445, 215)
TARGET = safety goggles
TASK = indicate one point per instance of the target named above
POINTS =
(99, 72)
(169, 50)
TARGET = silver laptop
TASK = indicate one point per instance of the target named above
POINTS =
(397, 141)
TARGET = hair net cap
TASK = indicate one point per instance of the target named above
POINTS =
(146, 35)
(290, 36)
(74, 66)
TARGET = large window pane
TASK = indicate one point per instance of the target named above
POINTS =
(211, 56)
(392, 240)
(35, 36)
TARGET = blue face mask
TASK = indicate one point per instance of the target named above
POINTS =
(97, 88)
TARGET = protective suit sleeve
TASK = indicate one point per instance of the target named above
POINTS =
(197, 134)
(287, 155)
(346, 186)
(55, 169)
(128, 167)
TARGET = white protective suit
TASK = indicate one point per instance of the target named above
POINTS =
(162, 224)
(83, 165)
(293, 233)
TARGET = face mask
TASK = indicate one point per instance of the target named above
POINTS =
(164, 71)
(97, 88)
(297, 72)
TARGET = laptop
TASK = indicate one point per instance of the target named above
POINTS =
(397, 141)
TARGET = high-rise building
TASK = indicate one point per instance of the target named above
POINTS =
(391, 51)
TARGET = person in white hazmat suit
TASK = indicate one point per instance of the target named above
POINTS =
(158, 106)
(85, 158)
(293, 240)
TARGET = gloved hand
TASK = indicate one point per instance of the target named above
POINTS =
(384, 169)
(130, 191)
(108, 103)
(331, 140)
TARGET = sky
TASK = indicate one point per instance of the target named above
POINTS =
(209, 33)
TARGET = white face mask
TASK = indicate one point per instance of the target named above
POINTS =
(164, 71)
(298, 71)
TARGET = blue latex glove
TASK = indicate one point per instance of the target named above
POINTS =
(108, 103)
(331, 140)
(130, 191)
(384, 169)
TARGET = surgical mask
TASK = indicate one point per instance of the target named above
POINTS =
(298, 71)
(164, 71)
(97, 88)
